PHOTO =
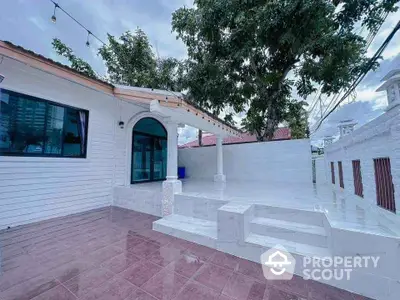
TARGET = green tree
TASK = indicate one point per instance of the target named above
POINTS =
(249, 55)
(76, 62)
(296, 118)
(129, 61)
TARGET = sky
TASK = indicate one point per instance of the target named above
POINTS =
(27, 23)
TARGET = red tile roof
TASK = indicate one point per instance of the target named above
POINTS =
(210, 139)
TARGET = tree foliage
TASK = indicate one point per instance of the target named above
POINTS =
(76, 62)
(250, 55)
(129, 60)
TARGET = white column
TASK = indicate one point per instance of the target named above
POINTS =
(220, 177)
(172, 148)
(172, 185)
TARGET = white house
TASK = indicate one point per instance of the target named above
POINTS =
(67, 140)
(70, 144)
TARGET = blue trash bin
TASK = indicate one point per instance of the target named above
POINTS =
(181, 172)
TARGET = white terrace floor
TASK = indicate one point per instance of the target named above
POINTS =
(342, 211)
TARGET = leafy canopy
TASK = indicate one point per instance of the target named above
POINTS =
(254, 54)
(129, 60)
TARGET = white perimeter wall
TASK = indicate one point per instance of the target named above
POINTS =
(379, 138)
(288, 161)
(33, 189)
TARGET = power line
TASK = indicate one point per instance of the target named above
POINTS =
(370, 38)
(90, 33)
(371, 62)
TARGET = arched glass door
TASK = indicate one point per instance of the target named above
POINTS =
(149, 151)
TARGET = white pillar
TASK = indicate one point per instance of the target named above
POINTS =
(219, 177)
(172, 185)
(172, 148)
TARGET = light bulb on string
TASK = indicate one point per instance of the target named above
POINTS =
(87, 40)
(53, 17)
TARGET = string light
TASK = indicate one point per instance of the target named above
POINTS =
(53, 17)
(89, 33)
(87, 40)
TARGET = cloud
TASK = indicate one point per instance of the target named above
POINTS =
(361, 111)
(38, 22)
(187, 134)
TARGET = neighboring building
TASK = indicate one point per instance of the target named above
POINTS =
(365, 162)
(210, 139)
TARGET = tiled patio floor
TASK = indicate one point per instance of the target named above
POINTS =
(112, 254)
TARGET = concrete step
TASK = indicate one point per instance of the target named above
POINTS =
(267, 242)
(195, 230)
(290, 214)
(291, 231)
(197, 207)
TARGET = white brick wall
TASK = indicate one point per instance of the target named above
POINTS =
(287, 161)
(378, 138)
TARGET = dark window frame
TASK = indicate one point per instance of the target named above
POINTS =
(151, 179)
(357, 178)
(47, 103)
(340, 173)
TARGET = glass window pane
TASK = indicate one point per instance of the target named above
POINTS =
(160, 158)
(54, 129)
(150, 126)
(73, 133)
(141, 164)
(22, 123)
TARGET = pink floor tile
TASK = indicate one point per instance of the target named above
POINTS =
(223, 297)
(318, 291)
(165, 255)
(145, 249)
(120, 262)
(129, 242)
(115, 289)
(196, 291)
(251, 269)
(244, 287)
(71, 269)
(273, 293)
(59, 292)
(83, 283)
(29, 289)
(186, 265)
(141, 272)
(104, 254)
(165, 284)
(225, 260)
(21, 274)
(182, 244)
(141, 295)
(157, 237)
(204, 253)
(213, 276)
(296, 285)
(112, 254)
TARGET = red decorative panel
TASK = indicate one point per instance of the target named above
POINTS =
(340, 168)
(333, 172)
(384, 184)
(358, 185)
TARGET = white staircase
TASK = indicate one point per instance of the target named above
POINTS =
(245, 230)
(299, 231)
(194, 219)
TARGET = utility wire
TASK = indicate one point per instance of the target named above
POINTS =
(364, 73)
(370, 38)
(56, 5)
